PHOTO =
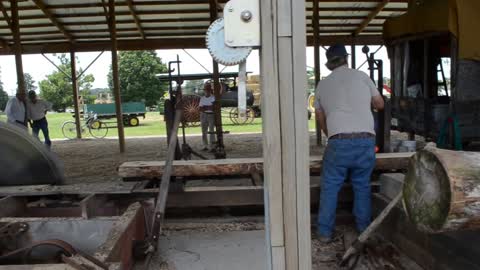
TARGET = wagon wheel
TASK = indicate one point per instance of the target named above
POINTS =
(233, 115)
(250, 116)
(191, 109)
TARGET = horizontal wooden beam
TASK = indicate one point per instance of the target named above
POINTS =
(242, 166)
(168, 43)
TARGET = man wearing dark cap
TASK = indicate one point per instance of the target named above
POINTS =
(343, 103)
(36, 111)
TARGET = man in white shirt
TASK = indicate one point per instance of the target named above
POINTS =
(207, 117)
(16, 111)
(36, 112)
(343, 108)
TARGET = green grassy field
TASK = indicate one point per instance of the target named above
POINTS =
(152, 125)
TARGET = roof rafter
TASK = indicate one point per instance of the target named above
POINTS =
(52, 18)
(135, 17)
(370, 17)
(5, 15)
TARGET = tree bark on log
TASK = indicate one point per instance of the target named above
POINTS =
(239, 166)
(442, 190)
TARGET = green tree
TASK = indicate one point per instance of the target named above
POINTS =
(3, 97)
(29, 82)
(190, 86)
(57, 87)
(311, 80)
(136, 70)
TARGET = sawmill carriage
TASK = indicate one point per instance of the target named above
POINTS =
(434, 51)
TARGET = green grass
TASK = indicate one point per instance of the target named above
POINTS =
(152, 125)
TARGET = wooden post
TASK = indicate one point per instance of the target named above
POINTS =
(285, 134)
(354, 55)
(17, 46)
(217, 88)
(116, 83)
(442, 190)
(316, 53)
(73, 65)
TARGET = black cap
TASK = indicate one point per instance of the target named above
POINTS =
(336, 51)
(32, 93)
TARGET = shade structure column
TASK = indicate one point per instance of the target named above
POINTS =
(116, 82)
(17, 46)
(316, 55)
(73, 65)
(285, 134)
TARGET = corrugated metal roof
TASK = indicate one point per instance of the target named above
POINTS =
(182, 22)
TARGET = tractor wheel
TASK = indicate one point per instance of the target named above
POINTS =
(126, 121)
(133, 121)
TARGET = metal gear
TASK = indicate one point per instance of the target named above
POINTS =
(221, 52)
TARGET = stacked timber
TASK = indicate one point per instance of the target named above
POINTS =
(442, 190)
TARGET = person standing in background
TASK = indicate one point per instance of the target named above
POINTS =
(16, 111)
(36, 112)
(207, 118)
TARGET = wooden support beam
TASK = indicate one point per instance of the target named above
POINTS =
(217, 88)
(285, 134)
(5, 16)
(370, 17)
(53, 19)
(239, 166)
(354, 55)
(316, 55)
(17, 47)
(135, 17)
(116, 81)
(73, 67)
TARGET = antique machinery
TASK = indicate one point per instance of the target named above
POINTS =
(230, 41)
(25, 161)
(428, 100)
(382, 118)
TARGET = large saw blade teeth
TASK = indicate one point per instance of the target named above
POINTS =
(221, 53)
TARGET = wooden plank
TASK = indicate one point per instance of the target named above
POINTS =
(136, 18)
(239, 166)
(37, 267)
(12, 206)
(278, 258)
(271, 124)
(302, 142)
(289, 170)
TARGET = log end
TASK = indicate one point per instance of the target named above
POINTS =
(426, 192)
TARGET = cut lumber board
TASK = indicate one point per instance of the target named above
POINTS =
(239, 166)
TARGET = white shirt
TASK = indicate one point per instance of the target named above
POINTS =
(207, 101)
(15, 110)
(36, 111)
(345, 97)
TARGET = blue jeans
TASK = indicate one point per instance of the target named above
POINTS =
(343, 158)
(41, 124)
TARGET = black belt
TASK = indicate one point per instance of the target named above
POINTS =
(20, 122)
(357, 135)
(41, 119)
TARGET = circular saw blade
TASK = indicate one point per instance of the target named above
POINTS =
(221, 52)
(26, 161)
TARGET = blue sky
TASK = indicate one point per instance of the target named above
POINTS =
(39, 67)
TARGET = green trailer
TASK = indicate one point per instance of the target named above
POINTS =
(131, 111)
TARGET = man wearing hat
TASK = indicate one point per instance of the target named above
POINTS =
(16, 111)
(36, 111)
(343, 103)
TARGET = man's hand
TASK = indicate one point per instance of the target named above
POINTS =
(322, 120)
(31, 124)
(378, 103)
